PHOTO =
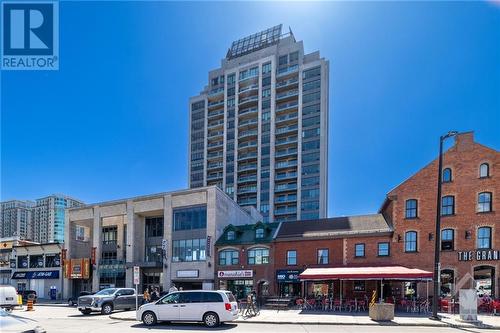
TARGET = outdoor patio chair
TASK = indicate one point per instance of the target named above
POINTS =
(337, 305)
(361, 305)
(299, 302)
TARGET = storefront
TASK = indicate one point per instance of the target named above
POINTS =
(78, 271)
(188, 279)
(288, 282)
(239, 282)
(47, 284)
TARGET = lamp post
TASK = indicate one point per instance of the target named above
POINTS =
(437, 237)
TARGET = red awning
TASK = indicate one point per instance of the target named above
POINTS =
(365, 273)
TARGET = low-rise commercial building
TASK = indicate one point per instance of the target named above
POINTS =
(170, 236)
(38, 267)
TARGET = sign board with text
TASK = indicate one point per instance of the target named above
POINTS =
(136, 274)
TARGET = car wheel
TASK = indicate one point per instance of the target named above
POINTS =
(149, 318)
(86, 312)
(211, 319)
(107, 309)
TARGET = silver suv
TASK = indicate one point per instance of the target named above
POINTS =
(107, 300)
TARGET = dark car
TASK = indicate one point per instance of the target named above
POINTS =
(72, 301)
(28, 295)
(108, 300)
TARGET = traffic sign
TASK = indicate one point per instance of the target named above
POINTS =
(136, 274)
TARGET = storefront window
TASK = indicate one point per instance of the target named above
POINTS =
(36, 261)
(359, 286)
(153, 253)
(258, 256)
(52, 260)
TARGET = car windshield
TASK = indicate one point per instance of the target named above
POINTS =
(109, 291)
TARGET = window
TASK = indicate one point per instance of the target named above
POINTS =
(52, 260)
(383, 249)
(190, 218)
(448, 205)
(359, 286)
(229, 257)
(259, 233)
(411, 241)
(311, 73)
(109, 235)
(291, 257)
(153, 253)
(212, 298)
(484, 202)
(22, 261)
(484, 170)
(283, 60)
(294, 56)
(170, 299)
(359, 250)
(266, 68)
(154, 226)
(258, 256)
(231, 235)
(323, 256)
(447, 175)
(447, 237)
(189, 250)
(191, 297)
(36, 261)
(231, 78)
(411, 208)
(484, 238)
(266, 93)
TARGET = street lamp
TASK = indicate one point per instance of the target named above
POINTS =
(437, 237)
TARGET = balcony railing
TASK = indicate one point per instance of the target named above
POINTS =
(247, 156)
(214, 134)
(248, 88)
(248, 144)
(286, 129)
(286, 198)
(111, 262)
(251, 121)
(215, 154)
(215, 144)
(286, 140)
(285, 152)
(215, 113)
(245, 167)
(286, 82)
(248, 189)
(248, 99)
(244, 134)
(216, 91)
(287, 70)
(290, 93)
(246, 202)
(217, 103)
(214, 176)
(215, 123)
(249, 110)
(285, 175)
(286, 164)
(286, 117)
(285, 187)
(290, 210)
(286, 106)
(247, 179)
(215, 165)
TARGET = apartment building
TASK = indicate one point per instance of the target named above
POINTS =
(48, 217)
(15, 218)
(170, 236)
(259, 129)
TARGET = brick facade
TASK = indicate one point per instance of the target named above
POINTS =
(464, 159)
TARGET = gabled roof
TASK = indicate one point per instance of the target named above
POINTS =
(245, 234)
(334, 227)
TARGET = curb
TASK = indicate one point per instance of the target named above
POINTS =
(390, 323)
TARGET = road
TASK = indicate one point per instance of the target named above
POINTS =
(62, 319)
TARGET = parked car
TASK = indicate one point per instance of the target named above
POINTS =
(8, 297)
(107, 300)
(72, 301)
(13, 324)
(28, 294)
(209, 307)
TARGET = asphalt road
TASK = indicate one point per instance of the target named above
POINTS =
(62, 319)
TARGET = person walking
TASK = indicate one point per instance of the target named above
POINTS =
(172, 289)
(155, 295)
(146, 296)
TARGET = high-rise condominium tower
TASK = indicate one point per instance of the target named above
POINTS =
(259, 130)
(15, 218)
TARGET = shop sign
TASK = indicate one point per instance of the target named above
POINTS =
(208, 248)
(247, 273)
(78, 268)
(188, 273)
(288, 275)
(479, 255)
(36, 275)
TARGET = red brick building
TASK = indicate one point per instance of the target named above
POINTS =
(470, 225)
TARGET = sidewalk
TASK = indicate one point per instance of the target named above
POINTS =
(329, 318)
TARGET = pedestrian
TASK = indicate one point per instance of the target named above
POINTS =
(155, 295)
(249, 304)
(172, 289)
(146, 296)
(181, 289)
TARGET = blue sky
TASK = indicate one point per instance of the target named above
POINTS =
(113, 121)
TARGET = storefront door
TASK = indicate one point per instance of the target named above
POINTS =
(484, 281)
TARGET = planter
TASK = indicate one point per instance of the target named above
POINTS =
(381, 312)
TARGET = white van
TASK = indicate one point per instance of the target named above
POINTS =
(8, 297)
(211, 307)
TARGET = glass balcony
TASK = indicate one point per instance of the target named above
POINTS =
(248, 144)
(247, 202)
(286, 198)
(246, 122)
(244, 179)
(287, 106)
(111, 262)
(216, 91)
(247, 111)
(286, 94)
(248, 99)
(286, 129)
(215, 104)
(285, 164)
(215, 144)
(244, 167)
(286, 117)
(247, 156)
(291, 139)
(285, 152)
(215, 154)
(285, 71)
(280, 176)
(215, 165)
(244, 134)
(215, 113)
(285, 187)
(215, 123)
(285, 83)
(248, 88)
(213, 176)
(247, 189)
(289, 210)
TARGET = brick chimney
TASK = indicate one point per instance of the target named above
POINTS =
(464, 141)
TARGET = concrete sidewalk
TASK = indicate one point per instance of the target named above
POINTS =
(331, 318)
